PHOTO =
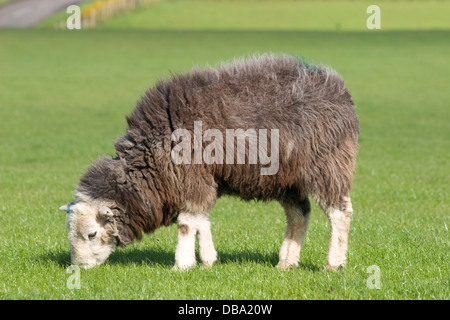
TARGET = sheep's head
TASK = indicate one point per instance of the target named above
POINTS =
(92, 233)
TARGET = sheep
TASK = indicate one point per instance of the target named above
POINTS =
(313, 139)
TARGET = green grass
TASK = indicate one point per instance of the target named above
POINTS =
(279, 15)
(63, 104)
(63, 100)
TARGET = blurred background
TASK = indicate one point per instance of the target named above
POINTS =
(64, 95)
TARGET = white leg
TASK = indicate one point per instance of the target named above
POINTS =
(189, 225)
(208, 254)
(340, 225)
(297, 222)
(185, 251)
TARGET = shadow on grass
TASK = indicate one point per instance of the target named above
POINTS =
(123, 257)
(166, 258)
(262, 258)
(308, 265)
(247, 256)
(151, 256)
(61, 258)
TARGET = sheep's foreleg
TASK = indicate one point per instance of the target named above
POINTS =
(190, 225)
(208, 254)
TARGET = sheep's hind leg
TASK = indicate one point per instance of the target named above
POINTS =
(340, 225)
(297, 216)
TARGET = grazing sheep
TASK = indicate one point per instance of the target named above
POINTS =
(314, 140)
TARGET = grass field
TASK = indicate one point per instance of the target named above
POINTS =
(279, 15)
(285, 15)
(63, 100)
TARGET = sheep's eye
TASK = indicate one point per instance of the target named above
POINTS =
(92, 235)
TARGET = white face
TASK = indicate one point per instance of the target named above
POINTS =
(91, 233)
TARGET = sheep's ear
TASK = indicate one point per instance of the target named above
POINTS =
(65, 207)
(105, 213)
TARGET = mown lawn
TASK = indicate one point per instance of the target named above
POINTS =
(63, 100)
(279, 15)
